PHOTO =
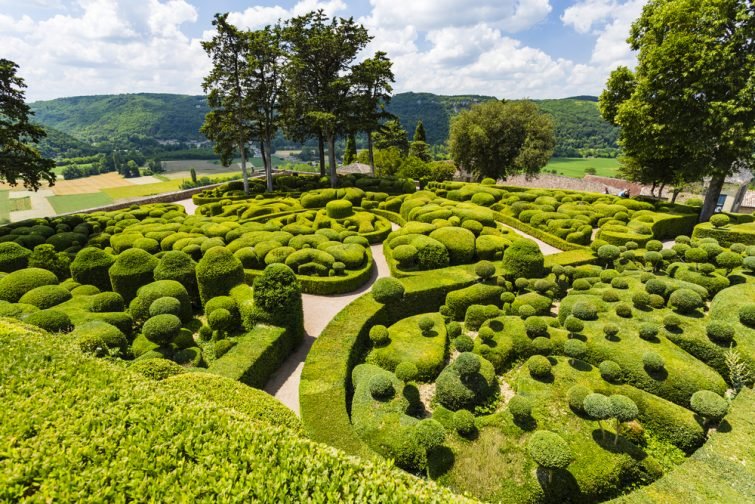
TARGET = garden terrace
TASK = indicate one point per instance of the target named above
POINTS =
(462, 360)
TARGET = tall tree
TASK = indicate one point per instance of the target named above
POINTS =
(266, 63)
(372, 79)
(19, 158)
(419, 148)
(497, 139)
(419, 132)
(230, 122)
(318, 75)
(350, 152)
(392, 134)
(693, 90)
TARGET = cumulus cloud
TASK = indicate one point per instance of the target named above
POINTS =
(259, 16)
(110, 46)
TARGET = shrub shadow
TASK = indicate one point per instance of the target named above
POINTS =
(439, 461)
(526, 424)
(580, 365)
(560, 486)
(657, 375)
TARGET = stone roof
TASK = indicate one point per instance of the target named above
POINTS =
(355, 168)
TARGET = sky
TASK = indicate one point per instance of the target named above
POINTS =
(504, 48)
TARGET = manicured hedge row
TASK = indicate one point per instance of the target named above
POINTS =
(391, 216)
(726, 236)
(127, 438)
(327, 286)
(548, 238)
(721, 471)
(570, 258)
(256, 356)
(326, 378)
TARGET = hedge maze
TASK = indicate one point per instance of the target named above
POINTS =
(609, 369)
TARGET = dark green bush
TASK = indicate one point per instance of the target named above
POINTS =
(100, 339)
(584, 310)
(217, 273)
(623, 310)
(107, 302)
(91, 267)
(46, 296)
(46, 257)
(536, 326)
(161, 329)
(179, 266)
(685, 300)
(611, 330)
(573, 324)
(477, 315)
(148, 294)
(709, 405)
(453, 329)
(220, 320)
(463, 343)
(379, 335)
(549, 450)
(610, 371)
(747, 314)
(484, 269)
(671, 321)
(467, 364)
(464, 422)
(720, 331)
(339, 209)
(610, 296)
(597, 406)
(648, 330)
(481, 294)
(575, 349)
(381, 387)
(165, 306)
(406, 371)
(539, 366)
(523, 259)
(576, 396)
(619, 283)
(14, 285)
(520, 408)
(13, 257)
(426, 325)
(641, 299)
(728, 261)
(542, 345)
(456, 390)
(653, 362)
(387, 290)
(51, 320)
(132, 269)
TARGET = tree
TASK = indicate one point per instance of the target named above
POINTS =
(19, 159)
(550, 451)
(497, 139)
(350, 152)
(372, 80)
(392, 134)
(693, 81)
(319, 77)
(623, 409)
(598, 407)
(418, 147)
(419, 133)
(229, 123)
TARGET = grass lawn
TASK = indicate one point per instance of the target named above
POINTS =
(4, 207)
(74, 202)
(575, 167)
(137, 191)
(17, 204)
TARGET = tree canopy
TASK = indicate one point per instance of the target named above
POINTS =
(497, 139)
(20, 161)
(687, 109)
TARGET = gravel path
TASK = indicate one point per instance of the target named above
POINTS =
(318, 312)
(188, 204)
(544, 247)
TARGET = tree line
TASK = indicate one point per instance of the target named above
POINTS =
(299, 76)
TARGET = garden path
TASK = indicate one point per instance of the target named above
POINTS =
(544, 247)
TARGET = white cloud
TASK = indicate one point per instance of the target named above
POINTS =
(259, 16)
(109, 47)
(511, 15)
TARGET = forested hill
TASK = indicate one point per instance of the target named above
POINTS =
(97, 118)
(92, 119)
(579, 127)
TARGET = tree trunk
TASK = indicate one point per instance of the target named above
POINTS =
(321, 144)
(244, 175)
(675, 194)
(660, 190)
(652, 190)
(371, 154)
(711, 196)
(332, 159)
(269, 164)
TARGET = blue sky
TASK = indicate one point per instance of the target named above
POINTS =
(504, 48)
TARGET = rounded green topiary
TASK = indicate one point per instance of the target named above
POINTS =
(463, 343)
(520, 408)
(99, 338)
(597, 406)
(278, 292)
(426, 325)
(581, 284)
(339, 209)
(387, 290)
(575, 349)
(453, 329)
(709, 405)
(648, 331)
(685, 300)
(747, 314)
(610, 371)
(539, 366)
(381, 387)
(467, 363)
(536, 326)
(429, 433)
(162, 328)
(584, 310)
(179, 266)
(729, 261)
(608, 253)
(46, 296)
(610, 330)
(576, 396)
(379, 335)
(406, 371)
(91, 267)
(46, 257)
(620, 283)
(653, 362)
(220, 319)
(165, 306)
(148, 294)
(719, 220)
(484, 269)
(486, 334)
(132, 269)
(542, 345)
(641, 299)
(406, 255)
(549, 450)
(523, 259)
(720, 331)
(217, 273)
(526, 311)
(13, 257)
(623, 408)
(106, 302)
(610, 296)
(623, 310)
(464, 422)
(671, 321)
(573, 324)
(54, 321)
(459, 242)
(14, 285)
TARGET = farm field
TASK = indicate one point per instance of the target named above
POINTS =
(73, 202)
(505, 350)
(575, 167)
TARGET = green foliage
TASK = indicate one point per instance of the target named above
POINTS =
(709, 405)
(379, 335)
(685, 300)
(54, 321)
(539, 366)
(464, 422)
(161, 329)
(46, 296)
(91, 266)
(165, 306)
(653, 362)
(219, 271)
(132, 269)
(381, 387)
(523, 259)
(406, 371)
(549, 450)
(100, 339)
(520, 408)
(576, 396)
(14, 285)
(46, 257)
(387, 290)
(720, 331)
(156, 369)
